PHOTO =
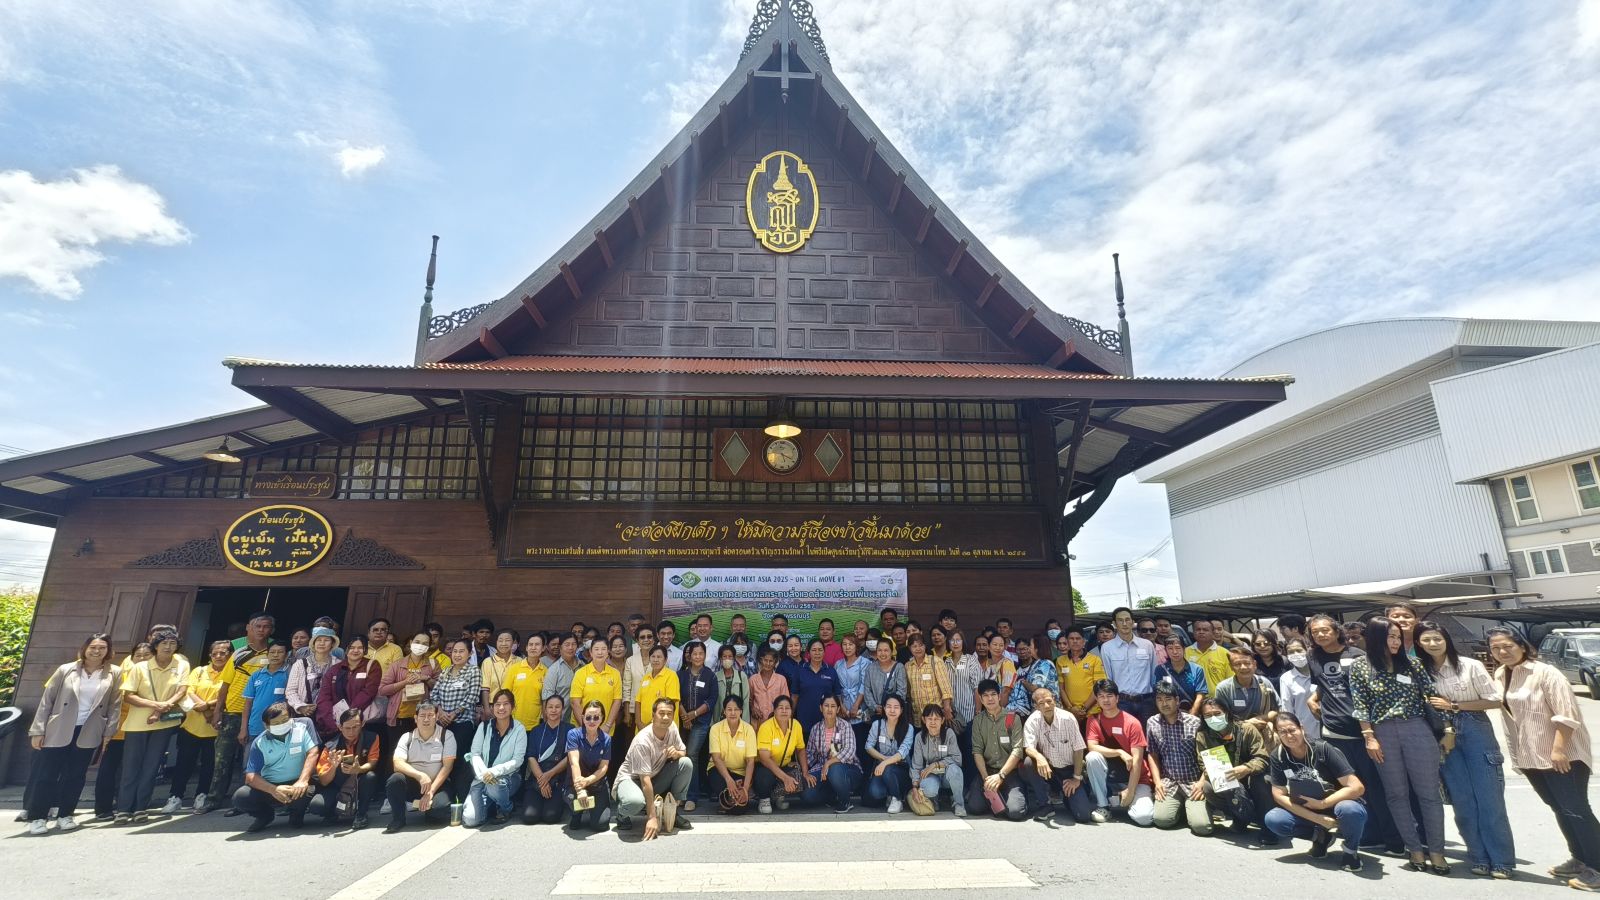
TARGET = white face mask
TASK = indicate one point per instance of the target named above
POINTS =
(1216, 723)
(872, 645)
(281, 728)
(776, 645)
(1298, 660)
(727, 662)
(418, 649)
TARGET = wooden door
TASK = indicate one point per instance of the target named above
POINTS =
(405, 607)
(137, 607)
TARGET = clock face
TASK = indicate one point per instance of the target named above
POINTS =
(782, 455)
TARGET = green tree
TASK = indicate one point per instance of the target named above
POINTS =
(1080, 607)
(1152, 602)
(16, 617)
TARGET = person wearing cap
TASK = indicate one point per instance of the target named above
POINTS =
(998, 757)
(278, 768)
(1174, 763)
(305, 673)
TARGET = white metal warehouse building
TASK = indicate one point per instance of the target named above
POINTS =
(1428, 453)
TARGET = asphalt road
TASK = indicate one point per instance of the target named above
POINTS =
(787, 854)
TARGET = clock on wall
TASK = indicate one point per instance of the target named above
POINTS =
(781, 455)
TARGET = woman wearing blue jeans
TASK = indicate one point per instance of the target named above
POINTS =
(889, 746)
(1473, 767)
(832, 757)
(698, 686)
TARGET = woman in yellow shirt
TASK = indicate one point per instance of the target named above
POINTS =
(781, 767)
(659, 681)
(152, 692)
(492, 671)
(733, 756)
(525, 679)
(196, 737)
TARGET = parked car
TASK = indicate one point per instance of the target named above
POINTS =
(1576, 652)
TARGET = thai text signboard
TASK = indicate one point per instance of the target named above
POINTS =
(277, 540)
(609, 534)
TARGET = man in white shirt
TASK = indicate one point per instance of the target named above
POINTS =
(657, 767)
(700, 631)
(1054, 743)
(1130, 661)
(667, 636)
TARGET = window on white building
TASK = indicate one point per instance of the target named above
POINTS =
(1545, 561)
(1521, 488)
(1588, 485)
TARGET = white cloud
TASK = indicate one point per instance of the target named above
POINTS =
(1588, 25)
(353, 160)
(50, 230)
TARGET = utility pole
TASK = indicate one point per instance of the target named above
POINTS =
(1128, 583)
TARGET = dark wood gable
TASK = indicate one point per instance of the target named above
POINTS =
(700, 284)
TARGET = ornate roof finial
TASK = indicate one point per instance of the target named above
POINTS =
(1122, 314)
(768, 13)
(425, 319)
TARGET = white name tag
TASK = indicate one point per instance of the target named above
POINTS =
(1403, 679)
(1239, 703)
(1116, 729)
(360, 675)
(280, 690)
(431, 757)
(699, 684)
(777, 742)
(1347, 663)
(927, 676)
(1005, 740)
(297, 751)
(646, 682)
(1143, 654)
(521, 676)
(591, 681)
(944, 748)
(738, 743)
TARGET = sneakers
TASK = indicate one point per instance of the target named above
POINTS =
(141, 817)
(122, 819)
(688, 806)
(766, 805)
(1350, 862)
(39, 826)
(1100, 816)
(895, 805)
(66, 824)
(359, 823)
(1567, 869)
(960, 811)
(1319, 842)
(844, 807)
(669, 813)
(201, 803)
(172, 805)
(1587, 880)
(1504, 874)
(780, 800)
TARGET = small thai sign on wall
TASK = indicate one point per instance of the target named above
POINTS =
(281, 539)
(309, 485)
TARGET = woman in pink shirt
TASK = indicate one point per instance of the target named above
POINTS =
(766, 686)
(1549, 743)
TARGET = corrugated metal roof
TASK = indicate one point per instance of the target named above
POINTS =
(1520, 415)
(671, 365)
(110, 468)
(362, 407)
(35, 485)
(286, 431)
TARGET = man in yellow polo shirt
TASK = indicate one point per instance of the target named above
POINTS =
(598, 681)
(381, 645)
(227, 715)
(525, 679)
(1210, 656)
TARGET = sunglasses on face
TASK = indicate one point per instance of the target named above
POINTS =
(1147, 631)
(592, 718)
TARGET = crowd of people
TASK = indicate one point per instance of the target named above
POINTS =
(1354, 733)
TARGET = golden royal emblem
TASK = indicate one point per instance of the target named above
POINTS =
(782, 207)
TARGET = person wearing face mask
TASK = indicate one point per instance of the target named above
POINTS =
(1053, 633)
(406, 683)
(1295, 687)
(1247, 801)
(732, 680)
(277, 770)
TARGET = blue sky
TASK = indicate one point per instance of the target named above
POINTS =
(183, 180)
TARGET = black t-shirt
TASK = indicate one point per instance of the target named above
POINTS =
(1331, 675)
(1317, 775)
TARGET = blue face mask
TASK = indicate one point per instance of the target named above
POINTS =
(1053, 633)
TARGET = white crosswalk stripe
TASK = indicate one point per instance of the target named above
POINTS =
(865, 875)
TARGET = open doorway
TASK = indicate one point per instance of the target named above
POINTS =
(221, 613)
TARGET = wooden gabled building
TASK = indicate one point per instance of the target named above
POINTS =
(779, 259)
